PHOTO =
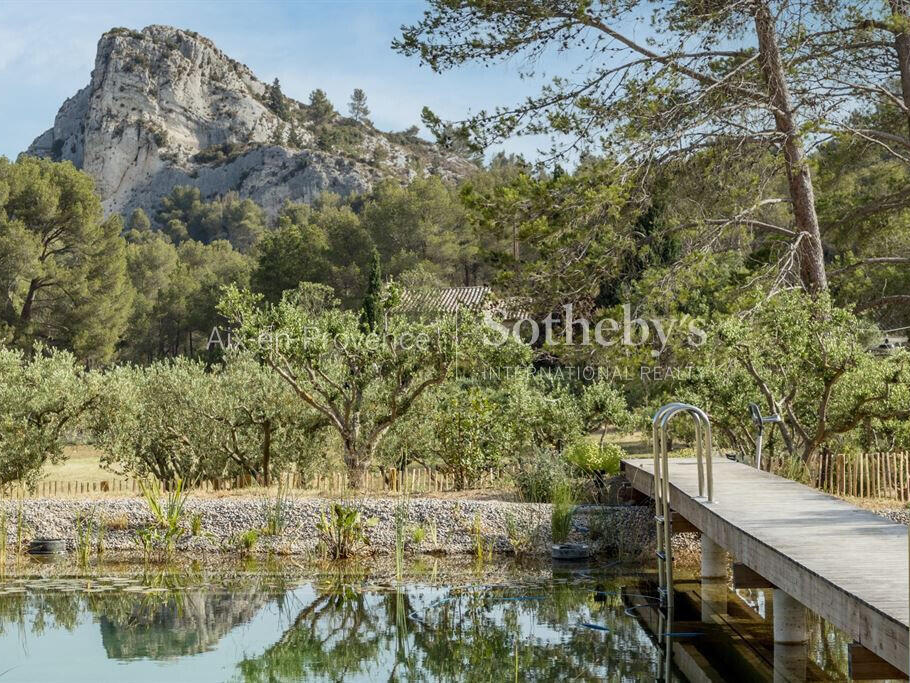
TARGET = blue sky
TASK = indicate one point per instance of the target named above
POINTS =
(47, 50)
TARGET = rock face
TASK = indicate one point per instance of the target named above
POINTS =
(165, 107)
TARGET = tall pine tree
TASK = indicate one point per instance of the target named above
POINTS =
(277, 101)
(358, 108)
(321, 110)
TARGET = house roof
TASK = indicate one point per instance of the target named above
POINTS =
(453, 299)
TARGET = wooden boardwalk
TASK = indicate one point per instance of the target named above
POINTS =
(846, 564)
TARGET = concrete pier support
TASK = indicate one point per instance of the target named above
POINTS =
(789, 619)
(790, 636)
(713, 580)
(713, 559)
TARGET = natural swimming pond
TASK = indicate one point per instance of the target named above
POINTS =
(335, 624)
(442, 620)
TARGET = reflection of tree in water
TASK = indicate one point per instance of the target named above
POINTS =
(828, 646)
(38, 612)
(184, 623)
(468, 634)
(179, 614)
(333, 636)
(183, 618)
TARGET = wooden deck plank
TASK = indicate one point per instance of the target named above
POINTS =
(846, 564)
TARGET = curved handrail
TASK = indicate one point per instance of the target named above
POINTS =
(703, 447)
(661, 489)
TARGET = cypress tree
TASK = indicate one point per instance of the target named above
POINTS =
(371, 312)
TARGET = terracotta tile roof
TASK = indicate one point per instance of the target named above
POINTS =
(452, 299)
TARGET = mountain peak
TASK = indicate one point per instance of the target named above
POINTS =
(165, 107)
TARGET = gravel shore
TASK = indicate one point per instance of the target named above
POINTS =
(433, 526)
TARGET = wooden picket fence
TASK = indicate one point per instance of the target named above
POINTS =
(864, 475)
(410, 480)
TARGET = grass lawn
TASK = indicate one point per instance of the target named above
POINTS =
(82, 464)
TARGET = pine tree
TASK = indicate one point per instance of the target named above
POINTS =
(321, 110)
(358, 107)
(76, 293)
(277, 101)
(139, 220)
(371, 312)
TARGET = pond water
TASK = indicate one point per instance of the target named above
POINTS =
(438, 620)
(332, 624)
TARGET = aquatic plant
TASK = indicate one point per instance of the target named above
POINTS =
(99, 539)
(147, 538)
(520, 534)
(342, 531)
(563, 511)
(20, 530)
(196, 524)
(401, 521)
(274, 512)
(168, 515)
(433, 534)
(481, 546)
(86, 528)
(2, 540)
(246, 541)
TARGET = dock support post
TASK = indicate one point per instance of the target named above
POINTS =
(713, 579)
(790, 636)
(789, 619)
(713, 559)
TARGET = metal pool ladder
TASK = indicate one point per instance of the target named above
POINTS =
(662, 513)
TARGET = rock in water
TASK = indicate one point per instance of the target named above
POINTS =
(165, 107)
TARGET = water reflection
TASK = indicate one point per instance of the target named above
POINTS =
(543, 631)
(339, 626)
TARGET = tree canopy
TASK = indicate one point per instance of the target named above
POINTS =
(63, 266)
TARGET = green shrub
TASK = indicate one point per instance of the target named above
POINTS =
(539, 475)
(589, 457)
(469, 435)
(219, 154)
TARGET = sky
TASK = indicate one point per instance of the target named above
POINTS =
(47, 51)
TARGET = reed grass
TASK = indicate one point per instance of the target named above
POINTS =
(563, 511)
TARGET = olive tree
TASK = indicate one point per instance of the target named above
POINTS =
(149, 422)
(180, 419)
(42, 397)
(256, 423)
(806, 360)
(360, 380)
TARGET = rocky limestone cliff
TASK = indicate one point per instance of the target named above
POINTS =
(165, 107)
